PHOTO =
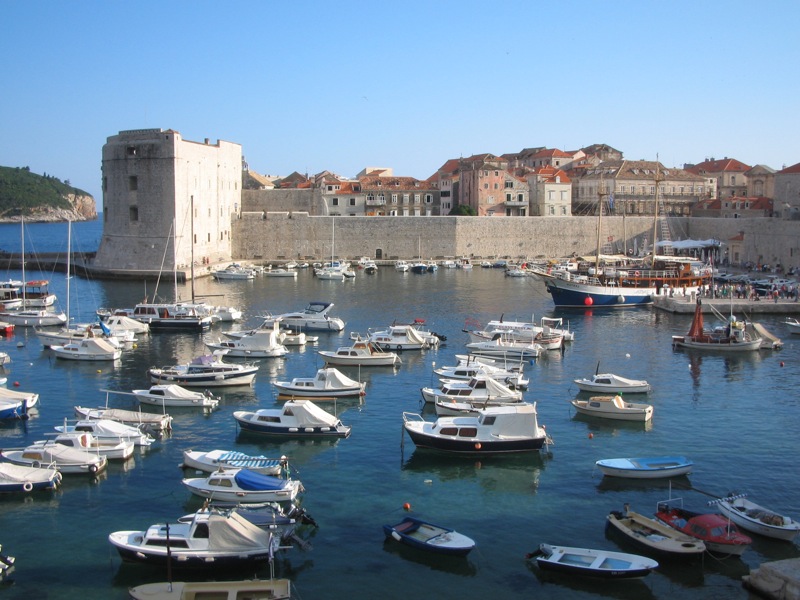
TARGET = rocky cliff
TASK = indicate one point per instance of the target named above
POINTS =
(41, 198)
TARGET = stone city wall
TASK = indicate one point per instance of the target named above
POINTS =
(276, 236)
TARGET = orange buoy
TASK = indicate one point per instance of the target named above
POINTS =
(407, 506)
(781, 363)
(588, 301)
(16, 384)
(591, 435)
(478, 446)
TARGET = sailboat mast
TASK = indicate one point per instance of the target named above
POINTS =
(655, 211)
(24, 283)
(69, 263)
(191, 241)
(600, 193)
(174, 261)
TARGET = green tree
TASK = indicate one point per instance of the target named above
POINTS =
(462, 210)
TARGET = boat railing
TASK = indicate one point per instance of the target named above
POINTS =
(409, 416)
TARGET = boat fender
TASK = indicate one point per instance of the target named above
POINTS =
(396, 536)
(637, 274)
(398, 347)
(27, 486)
(85, 440)
(93, 468)
(36, 464)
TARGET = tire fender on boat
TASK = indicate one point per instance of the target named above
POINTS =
(27, 486)
(93, 468)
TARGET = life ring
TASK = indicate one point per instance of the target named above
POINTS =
(36, 464)
(93, 468)
(637, 274)
(27, 486)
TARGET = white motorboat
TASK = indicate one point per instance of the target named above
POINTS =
(122, 323)
(174, 395)
(214, 460)
(402, 266)
(89, 348)
(793, 325)
(521, 331)
(594, 563)
(497, 429)
(260, 344)
(34, 318)
(468, 368)
(205, 371)
(28, 399)
(645, 468)
(403, 337)
(501, 347)
(605, 383)
(481, 389)
(315, 317)
(296, 418)
(328, 383)
(106, 429)
(757, 519)
(243, 485)
(211, 540)
(112, 449)
(234, 272)
(48, 454)
(151, 422)
(280, 273)
(274, 589)
(613, 407)
(361, 353)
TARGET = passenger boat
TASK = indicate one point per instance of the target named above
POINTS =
(174, 395)
(208, 370)
(653, 537)
(48, 454)
(613, 407)
(497, 429)
(719, 534)
(733, 338)
(593, 563)
(361, 353)
(605, 383)
(273, 589)
(243, 485)
(214, 460)
(427, 536)
(757, 519)
(314, 317)
(328, 383)
(210, 541)
(16, 478)
(296, 418)
(645, 468)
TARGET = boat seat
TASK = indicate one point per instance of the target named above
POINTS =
(405, 526)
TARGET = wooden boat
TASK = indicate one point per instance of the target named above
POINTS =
(273, 589)
(497, 429)
(718, 533)
(604, 383)
(613, 407)
(23, 479)
(361, 353)
(653, 537)
(214, 460)
(645, 468)
(210, 541)
(297, 418)
(594, 563)
(243, 485)
(734, 337)
(757, 519)
(175, 396)
(427, 536)
(328, 383)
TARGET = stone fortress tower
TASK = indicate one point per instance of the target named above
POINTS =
(166, 199)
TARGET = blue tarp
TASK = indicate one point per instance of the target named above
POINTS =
(252, 481)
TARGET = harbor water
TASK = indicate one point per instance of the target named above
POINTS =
(736, 417)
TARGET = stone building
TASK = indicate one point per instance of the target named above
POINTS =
(787, 192)
(630, 188)
(551, 192)
(730, 175)
(760, 182)
(166, 200)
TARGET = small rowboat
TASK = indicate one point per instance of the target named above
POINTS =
(427, 536)
(754, 517)
(594, 563)
(653, 537)
(645, 468)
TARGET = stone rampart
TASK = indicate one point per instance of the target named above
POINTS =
(764, 240)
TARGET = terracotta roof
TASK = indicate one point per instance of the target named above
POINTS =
(790, 170)
(549, 174)
(551, 153)
(719, 166)
(372, 182)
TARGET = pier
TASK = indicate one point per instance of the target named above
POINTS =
(776, 580)
(743, 308)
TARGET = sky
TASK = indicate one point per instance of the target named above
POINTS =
(309, 86)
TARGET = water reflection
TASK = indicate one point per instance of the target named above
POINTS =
(456, 565)
(628, 589)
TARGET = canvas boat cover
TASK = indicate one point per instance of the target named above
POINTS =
(494, 389)
(414, 336)
(11, 473)
(333, 379)
(232, 532)
(6, 394)
(98, 344)
(176, 391)
(309, 414)
(256, 482)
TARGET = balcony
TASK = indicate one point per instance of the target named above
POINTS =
(375, 202)
(515, 203)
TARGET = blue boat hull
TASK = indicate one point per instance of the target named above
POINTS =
(576, 296)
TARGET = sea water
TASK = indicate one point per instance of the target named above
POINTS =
(736, 417)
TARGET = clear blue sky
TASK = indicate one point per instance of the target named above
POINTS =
(309, 86)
